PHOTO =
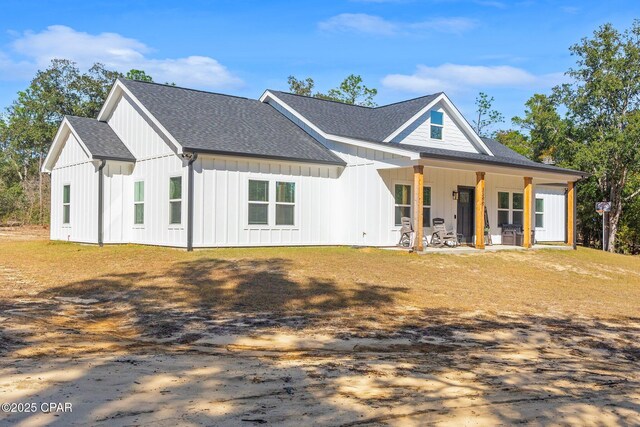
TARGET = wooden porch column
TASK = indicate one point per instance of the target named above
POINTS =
(418, 183)
(479, 210)
(571, 214)
(528, 201)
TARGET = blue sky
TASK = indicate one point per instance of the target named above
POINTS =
(405, 48)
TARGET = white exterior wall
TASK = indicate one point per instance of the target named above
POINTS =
(221, 203)
(74, 167)
(136, 132)
(419, 133)
(554, 215)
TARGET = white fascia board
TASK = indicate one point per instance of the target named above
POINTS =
(458, 117)
(114, 95)
(343, 139)
(57, 145)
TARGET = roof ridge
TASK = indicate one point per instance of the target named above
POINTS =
(187, 88)
(322, 99)
(356, 105)
(409, 100)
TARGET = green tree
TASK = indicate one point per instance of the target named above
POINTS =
(547, 130)
(603, 103)
(515, 140)
(139, 75)
(352, 90)
(600, 128)
(30, 124)
(486, 116)
(301, 87)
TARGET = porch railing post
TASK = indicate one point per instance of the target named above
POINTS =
(418, 203)
(479, 210)
(528, 201)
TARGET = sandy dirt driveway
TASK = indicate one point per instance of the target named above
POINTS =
(234, 369)
(149, 336)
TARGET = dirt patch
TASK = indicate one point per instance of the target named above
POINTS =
(136, 336)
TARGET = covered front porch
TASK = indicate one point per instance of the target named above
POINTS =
(476, 201)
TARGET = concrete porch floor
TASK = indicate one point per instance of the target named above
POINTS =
(471, 250)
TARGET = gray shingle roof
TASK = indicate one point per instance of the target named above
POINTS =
(375, 124)
(100, 139)
(337, 118)
(223, 124)
(503, 156)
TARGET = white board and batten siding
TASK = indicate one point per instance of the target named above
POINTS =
(221, 203)
(156, 163)
(554, 214)
(419, 133)
(74, 168)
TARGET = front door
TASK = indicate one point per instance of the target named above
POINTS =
(466, 207)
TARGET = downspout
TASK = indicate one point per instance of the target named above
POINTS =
(101, 202)
(193, 158)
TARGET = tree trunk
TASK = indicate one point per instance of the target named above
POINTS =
(614, 217)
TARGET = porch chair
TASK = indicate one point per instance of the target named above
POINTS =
(441, 237)
(406, 232)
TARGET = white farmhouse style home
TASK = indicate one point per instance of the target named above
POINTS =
(164, 165)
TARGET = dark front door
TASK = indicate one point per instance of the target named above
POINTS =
(466, 207)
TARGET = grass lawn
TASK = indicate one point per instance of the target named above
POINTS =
(585, 282)
(138, 335)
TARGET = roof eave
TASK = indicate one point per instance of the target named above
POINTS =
(493, 161)
(264, 156)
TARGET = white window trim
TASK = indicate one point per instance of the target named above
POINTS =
(440, 126)
(276, 203)
(176, 226)
(511, 210)
(144, 197)
(66, 224)
(271, 219)
(535, 212)
(429, 184)
(268, 203)
(393, 202)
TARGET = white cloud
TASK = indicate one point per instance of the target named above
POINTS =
(114, 51)
(358, 23)
(455, 77)
(376, 25)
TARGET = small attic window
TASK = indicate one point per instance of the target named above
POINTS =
(437, 123)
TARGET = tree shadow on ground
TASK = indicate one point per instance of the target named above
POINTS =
(148, 347)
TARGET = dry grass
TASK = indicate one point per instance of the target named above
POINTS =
(585, 282)
(136, 335)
